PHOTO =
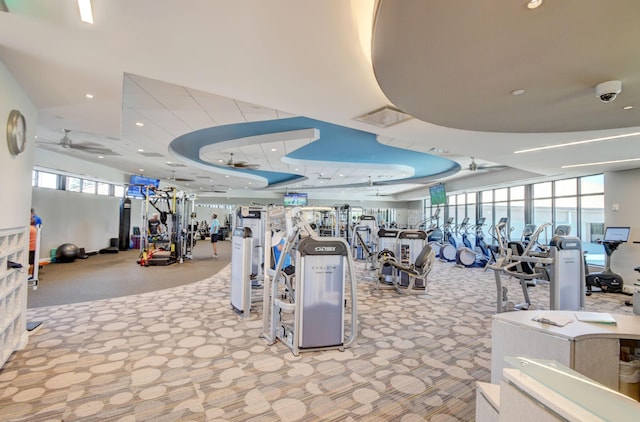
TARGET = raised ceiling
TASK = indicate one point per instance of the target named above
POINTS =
(452, 65)
(457, 63)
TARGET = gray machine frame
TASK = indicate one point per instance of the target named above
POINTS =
(295, 306)
(253, 217)
(240, 289)
(563, 267)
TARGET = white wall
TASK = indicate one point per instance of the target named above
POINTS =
(15, 172)
(87, 221)
(621, 188)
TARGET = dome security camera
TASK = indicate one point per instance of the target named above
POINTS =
(608, 91)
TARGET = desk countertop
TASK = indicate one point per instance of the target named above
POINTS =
(627, 326)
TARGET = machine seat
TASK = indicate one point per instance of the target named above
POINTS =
(417, 271)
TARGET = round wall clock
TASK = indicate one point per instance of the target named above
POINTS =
(16, 132)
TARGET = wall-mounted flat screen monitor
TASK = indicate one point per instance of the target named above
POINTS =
(295, 199)
(138, 186)
(438, 194)
(616, 234)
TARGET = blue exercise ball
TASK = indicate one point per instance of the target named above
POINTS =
(67, 252)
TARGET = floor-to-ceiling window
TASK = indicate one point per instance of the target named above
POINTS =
(517, 210)
(591, 197)
(566, 206)
(542, 203)
(486, 206)
(577, 203)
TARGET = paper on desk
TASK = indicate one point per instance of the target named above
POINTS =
(552, 319)
(599, 317)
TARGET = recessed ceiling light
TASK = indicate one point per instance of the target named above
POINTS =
(140, 150)
(601, 162)
(273, 149)
(221, 161)
(227, 176)
(168, 162)
(140, 169)
(86, 15)
(89, 96)
(139, 124)
(517, 92)
(101, 156)
(586, 141)
(534, 4)
(629, 107)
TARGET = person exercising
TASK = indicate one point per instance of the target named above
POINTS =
(33, 239)
(155, 227)
(214, 230)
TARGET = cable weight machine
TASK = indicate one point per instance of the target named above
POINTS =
(306, 304)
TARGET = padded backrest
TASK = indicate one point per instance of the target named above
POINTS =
(518, 249)
(363, 244)
(423, 258)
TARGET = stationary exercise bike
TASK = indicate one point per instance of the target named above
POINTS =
(606, 280)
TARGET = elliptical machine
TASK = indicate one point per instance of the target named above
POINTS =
(481, 245)
(606, 280)
(466, 255)
(449, 246)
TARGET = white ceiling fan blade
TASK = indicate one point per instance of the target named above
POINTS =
(92, 149)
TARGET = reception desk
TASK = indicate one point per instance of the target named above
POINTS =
(592, 349)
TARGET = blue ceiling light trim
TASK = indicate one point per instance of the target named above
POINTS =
(336, 144)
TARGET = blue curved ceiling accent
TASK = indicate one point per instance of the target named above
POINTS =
(337, 144)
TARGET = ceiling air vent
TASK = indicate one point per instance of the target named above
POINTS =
(151, 154)
(384, 117)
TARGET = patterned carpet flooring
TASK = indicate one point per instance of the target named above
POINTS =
(183, 355)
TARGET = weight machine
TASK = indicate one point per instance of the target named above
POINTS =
(562, 266)
(387, 243)
(304, 303)
(320, 219)
(247, 242)
(253, 218)
(405, 264)
(178, 238)
(365, 239)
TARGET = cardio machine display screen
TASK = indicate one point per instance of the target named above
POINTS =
(616, 234)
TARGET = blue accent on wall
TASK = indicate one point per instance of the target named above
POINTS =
(336, 143)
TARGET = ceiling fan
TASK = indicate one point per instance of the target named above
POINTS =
(378, 194)
(173, 178)
(473, 166)
(240, 164)
(216, 189)
(89, 147)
